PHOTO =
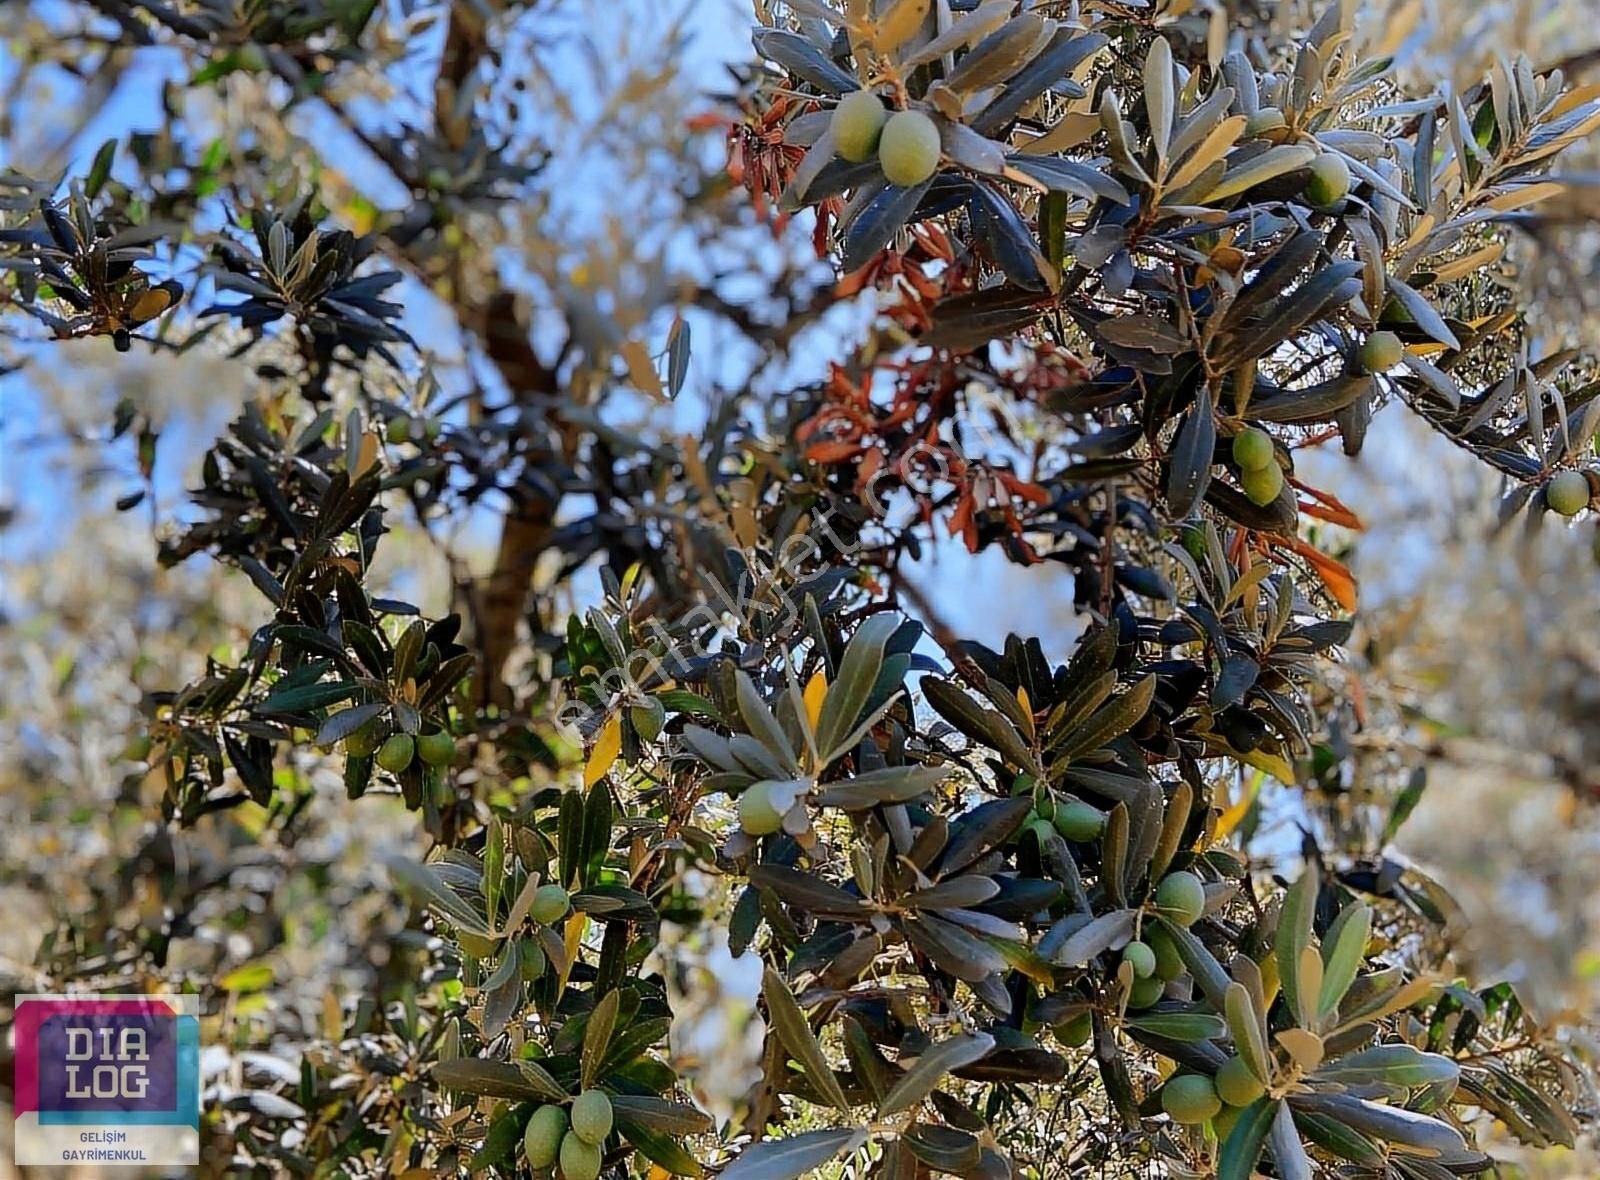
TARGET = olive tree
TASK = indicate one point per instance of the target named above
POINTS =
(1119, 265)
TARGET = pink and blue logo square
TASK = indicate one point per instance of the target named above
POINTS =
(107, 1079)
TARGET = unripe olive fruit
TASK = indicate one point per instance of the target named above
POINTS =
(1264, 120)
(757, 814)
(1225, 1120)
(1075, 1033)
(857, 123)
(1142, 958)
(364, 742)
(1262, 484)
(1169, 964)
(1045, 807)
(398, 430)
(438, 179)
(1236, 1085)
(541, 1141)
(395, 753)
(432, 428)
(579, 1160)
(1190, 1099)
(1146, 992)
(1330, 180)
(138, 748)
(1079, 822)
(436, 749)
(550, 904)
(1252, 449)
(1181, 898)
(1023, 784)
(1381, 352)
(591, 1116)
(908, 149)
(1567, 492)
(533, 960)
(1042, 830)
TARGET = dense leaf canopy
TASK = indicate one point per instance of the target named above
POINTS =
(1117, 266)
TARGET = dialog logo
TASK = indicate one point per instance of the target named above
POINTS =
(108, 1079)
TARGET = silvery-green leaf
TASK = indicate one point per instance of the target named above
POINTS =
(969, 149)
(804, 60)
(1002, 53)
(1160, 99)
(1270, 164)
(794, 1155)
(1070, 176)
(1190, 459)
(930, 1068)
(1427, 316)
(968, 29)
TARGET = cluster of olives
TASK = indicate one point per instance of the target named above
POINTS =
(1194, 1098)
(1568, 492)
(905, 142)
(396, 751)
(1180, 897)
(1259, 473)
(1075, 820)
(548, 1142)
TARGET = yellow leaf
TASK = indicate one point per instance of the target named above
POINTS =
(1215, 145)
(1234, 815)
(572, 938)
(816, 693)
(1305, 1047)
(1460, 268)
(1528, 194)
(1273, 764)
(366, 455)
(606, 748)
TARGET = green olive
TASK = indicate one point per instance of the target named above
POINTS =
(579, 1160)
(541, 1141)
(1380, 352)
(1236, 1085)
(1169, 964)
(395, 753)
(1330, 181)
(1142, 958)
(1262, 484)
(1568, 492)
(758, 816)
(908, 149)
(1079, 822)
(1190, 1099)
(1076, 1031)
(591, 1116)
(1252, 449)
(436, 749)
(857, 125)
(550, 904)
(1181, 897)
